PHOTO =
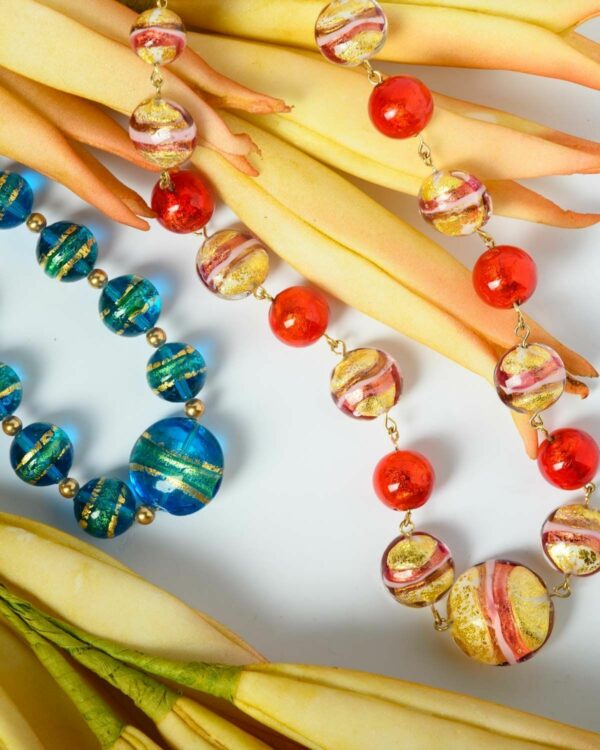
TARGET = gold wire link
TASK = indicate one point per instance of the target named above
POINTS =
(375, 76)
(157, 79)
(391, 427)
(441, 624)
(337, 346)
(165, 181)
(562, 591)
(589, 488)
(261, 294)
(538, 424)
(488, 240)
(202, 233)
(522, 330)
(161, 3)
(425, 153)
(407, 526)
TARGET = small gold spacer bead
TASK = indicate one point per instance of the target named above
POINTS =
(156, 337)
(68, 488)
(98, 278)
(195, 408)
(36, 222)
(145, 515)
(12, 426)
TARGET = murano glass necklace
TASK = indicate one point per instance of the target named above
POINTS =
(499, 612)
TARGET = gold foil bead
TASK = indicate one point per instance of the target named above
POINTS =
(36, 222)
(12, 426)
(145, 515)
(68, 488)
(195, 408)
(98, 278)
(156, 337)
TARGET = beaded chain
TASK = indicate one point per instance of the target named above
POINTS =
(177, 464)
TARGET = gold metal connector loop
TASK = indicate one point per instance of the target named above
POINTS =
(157, 79)
(425, 154)
(407, 527)
(261, 294)
(488, 240)
(441, 624)
(589, 488)
(165, 181)
(537, 423)
(522, 330)
(161, 3)
(563, 591)
(337, 346)
(391, 427)
(375, 76)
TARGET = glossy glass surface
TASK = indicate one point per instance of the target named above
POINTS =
(129, 305)
(66, 251)
(176, 372)
(41, 454)
(105, 508)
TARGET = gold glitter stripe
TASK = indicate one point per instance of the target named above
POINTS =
(115, 516)
(61, 241)
(187, 350)
(177, 483)
(46, 437)
(11, 199)
(170, 383)
(180, 457)
(89, 506)
(11, 389)
(82, 253)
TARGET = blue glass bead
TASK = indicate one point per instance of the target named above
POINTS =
(16, 200)
(176, 372)
(66, 251)
(41, 454)
(11, 391)
(129, 305)
(176, 465)
(105, 508)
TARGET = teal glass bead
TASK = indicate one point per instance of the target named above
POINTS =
(105, 508)
(66, 251)
(11, 391)
(129, 305)
(41, 454)
(176, 372)
(176, 465)
(16, 200)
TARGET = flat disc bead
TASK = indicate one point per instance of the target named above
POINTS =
(232, 264)
(366, 384)
(176, 372)
(186, 206)
(417, 570)
(347, 32)
(163, 132)
(105, 508)
(11, 391)
(571, 540)
(530, 379)
(569, 458)
(299, 316)
(400, 106)
(66, 251)
(158, 36)
(176, 465)
(501, 612)
(455, 203)
(129, 305)
(504, 276)
(16, 200)
(41, 454)
(403, 480)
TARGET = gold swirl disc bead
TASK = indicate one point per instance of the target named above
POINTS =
(11, 426)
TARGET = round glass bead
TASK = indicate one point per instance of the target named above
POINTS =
(16, 200)
(529, 379)
(504, 276)
(187, 205)
(11, 391)
(366, 383)
(158, 36)
(403, 480)
(417, 570)
(66, 251)
(176, 372)
(400, 106)
(455, 203)
(163, 132)
(569, 458)
(299, 316)
(232, 264)
(129, 305)
(105, 508)
(41, 454)
(348, 32)
(176, 465)
(571, 539)
(501, 612)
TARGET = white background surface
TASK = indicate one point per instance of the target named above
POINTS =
(288, 554)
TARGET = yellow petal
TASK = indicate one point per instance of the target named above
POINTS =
(21, 126)
(15, 732)
(132, 739)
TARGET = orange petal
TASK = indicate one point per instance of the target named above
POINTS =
(528, 433)
(111, 19)
(21, 126)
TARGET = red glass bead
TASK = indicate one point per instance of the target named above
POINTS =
(186, 206)
(505, 275)
(299, 316)
(401, 106)
(569, 459)
(403, 480)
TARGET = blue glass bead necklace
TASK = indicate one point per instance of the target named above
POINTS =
(177, 464)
